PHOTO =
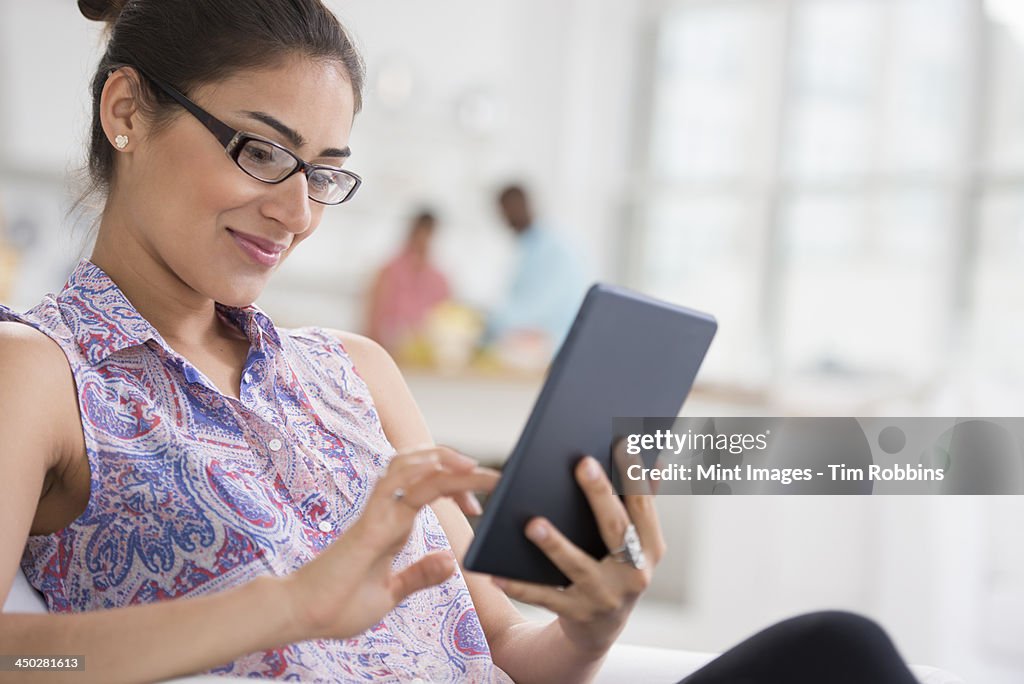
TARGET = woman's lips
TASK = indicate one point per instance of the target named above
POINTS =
(263, 252)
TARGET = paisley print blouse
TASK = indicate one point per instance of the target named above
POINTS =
(193, 491)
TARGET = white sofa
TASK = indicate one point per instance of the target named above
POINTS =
(625, 663)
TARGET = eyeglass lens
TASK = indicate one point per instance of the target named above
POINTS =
(270, 163)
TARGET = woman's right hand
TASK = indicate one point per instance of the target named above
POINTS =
(351, 585)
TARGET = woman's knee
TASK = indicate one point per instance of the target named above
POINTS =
(840, 630)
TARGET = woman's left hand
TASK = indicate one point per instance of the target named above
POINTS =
(593, 609)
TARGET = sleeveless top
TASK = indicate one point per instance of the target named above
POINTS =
(193, 491)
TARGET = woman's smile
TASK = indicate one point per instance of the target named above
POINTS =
(260, 250)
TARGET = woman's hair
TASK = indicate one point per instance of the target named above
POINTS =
(423, 216)
(188, 43)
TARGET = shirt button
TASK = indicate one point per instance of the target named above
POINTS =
(325, 526)
(246, 378)
(275, 445)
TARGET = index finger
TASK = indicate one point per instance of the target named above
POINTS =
(442, 483)
(439, 455)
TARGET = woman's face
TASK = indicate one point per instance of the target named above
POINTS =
(199, 215)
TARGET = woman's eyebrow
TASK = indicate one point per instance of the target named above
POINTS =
(294, 137)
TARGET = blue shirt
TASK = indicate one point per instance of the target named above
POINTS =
(546, 289)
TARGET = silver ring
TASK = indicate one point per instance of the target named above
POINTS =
(630, 552)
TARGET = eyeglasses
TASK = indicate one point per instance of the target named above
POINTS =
(268, 161)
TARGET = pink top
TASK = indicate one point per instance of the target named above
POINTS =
(408, 287)
(193, 491)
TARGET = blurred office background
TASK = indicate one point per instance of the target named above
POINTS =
(841, 182)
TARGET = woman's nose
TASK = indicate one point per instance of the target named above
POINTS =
(288, 203)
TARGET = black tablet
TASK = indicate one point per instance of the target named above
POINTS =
(626, 355)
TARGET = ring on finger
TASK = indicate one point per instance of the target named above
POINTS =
(399, 497)
(630, 552)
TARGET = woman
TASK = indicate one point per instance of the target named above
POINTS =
(202, 491)
(187, 449)
(406, 289)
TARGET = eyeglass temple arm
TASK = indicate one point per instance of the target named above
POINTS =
(222, 131)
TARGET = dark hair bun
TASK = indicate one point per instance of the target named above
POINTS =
(101, 10)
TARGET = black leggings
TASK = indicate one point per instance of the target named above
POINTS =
(830, 647)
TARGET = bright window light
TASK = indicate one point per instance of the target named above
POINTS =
(1010, 13)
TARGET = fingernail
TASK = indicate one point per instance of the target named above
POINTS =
(538, 531)
(474, 505)
(591, 470)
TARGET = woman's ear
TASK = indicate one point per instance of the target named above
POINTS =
(120, 113)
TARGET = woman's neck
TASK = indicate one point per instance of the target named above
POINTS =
(182, 316)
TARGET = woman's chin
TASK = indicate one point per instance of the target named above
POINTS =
(240, 290)
(238, 300)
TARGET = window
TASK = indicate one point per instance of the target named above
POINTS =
(841, 182)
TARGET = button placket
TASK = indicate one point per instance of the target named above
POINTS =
(253, 372)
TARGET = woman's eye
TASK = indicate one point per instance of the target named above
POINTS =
(320, 181)
(259, 154)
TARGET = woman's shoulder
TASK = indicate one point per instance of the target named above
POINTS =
(33, 353)
(397, 411)
(354, 345)
(378, 376)
(36, 354)
(366, 354)
(369, 359)
(36, 383)
(47, 322)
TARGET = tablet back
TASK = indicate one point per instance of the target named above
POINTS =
(627, 355)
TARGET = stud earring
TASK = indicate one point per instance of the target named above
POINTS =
(121, 141)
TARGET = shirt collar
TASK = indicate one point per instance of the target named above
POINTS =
(251, 320)
(104, 322)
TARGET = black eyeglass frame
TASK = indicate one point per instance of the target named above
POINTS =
(234, 141)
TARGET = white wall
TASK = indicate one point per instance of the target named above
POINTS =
(47, 52)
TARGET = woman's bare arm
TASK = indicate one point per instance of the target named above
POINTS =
(156, 641)
(38, 423)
